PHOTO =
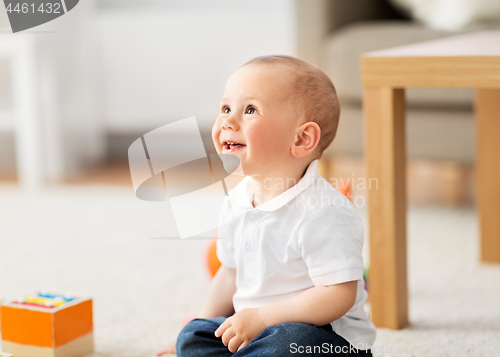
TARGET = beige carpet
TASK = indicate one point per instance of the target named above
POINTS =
(93, 240)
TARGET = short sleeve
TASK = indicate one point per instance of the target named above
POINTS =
(331, 241)
(225, 244)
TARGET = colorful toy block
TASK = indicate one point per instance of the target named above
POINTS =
(47, 325)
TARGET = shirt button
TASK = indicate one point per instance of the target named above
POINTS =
(252, 218)
(248, 247)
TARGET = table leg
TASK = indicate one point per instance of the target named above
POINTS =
(385, 155)
(488, 172)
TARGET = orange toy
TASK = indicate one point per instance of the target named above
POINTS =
(213, 263)
(345, 189)
(30, 329)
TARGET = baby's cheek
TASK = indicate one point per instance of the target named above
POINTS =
(264, 140)
(255, 138)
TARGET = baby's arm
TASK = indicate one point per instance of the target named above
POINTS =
(219, 301)
(316, 306)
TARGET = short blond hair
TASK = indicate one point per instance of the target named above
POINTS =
(313, 94)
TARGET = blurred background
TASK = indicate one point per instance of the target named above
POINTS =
(77, 91)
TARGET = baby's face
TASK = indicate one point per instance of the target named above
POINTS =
(254, 123)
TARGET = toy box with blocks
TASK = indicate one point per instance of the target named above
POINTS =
(47, 325)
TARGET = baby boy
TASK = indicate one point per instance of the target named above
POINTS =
(291, 280)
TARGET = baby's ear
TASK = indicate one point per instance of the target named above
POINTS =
(306, 139)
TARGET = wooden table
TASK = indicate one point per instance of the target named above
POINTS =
(467, 61)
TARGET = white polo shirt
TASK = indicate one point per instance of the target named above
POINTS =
(308, 236)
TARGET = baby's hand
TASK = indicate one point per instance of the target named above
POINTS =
(240, 329)
(168, 349)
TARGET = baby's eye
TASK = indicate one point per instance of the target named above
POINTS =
(251, 110)
(226, 110)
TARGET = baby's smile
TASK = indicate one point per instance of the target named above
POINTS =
(231, 147)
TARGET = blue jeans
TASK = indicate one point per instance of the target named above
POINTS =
(197, 339)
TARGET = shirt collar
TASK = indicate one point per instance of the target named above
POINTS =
(242, 194)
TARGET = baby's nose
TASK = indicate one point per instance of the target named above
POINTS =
(229, 124)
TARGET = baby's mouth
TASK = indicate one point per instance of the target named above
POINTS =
(232, 146)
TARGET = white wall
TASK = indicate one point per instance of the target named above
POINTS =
(171, 61)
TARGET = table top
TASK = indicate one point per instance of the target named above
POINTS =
(484, 43)
(471, 60)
